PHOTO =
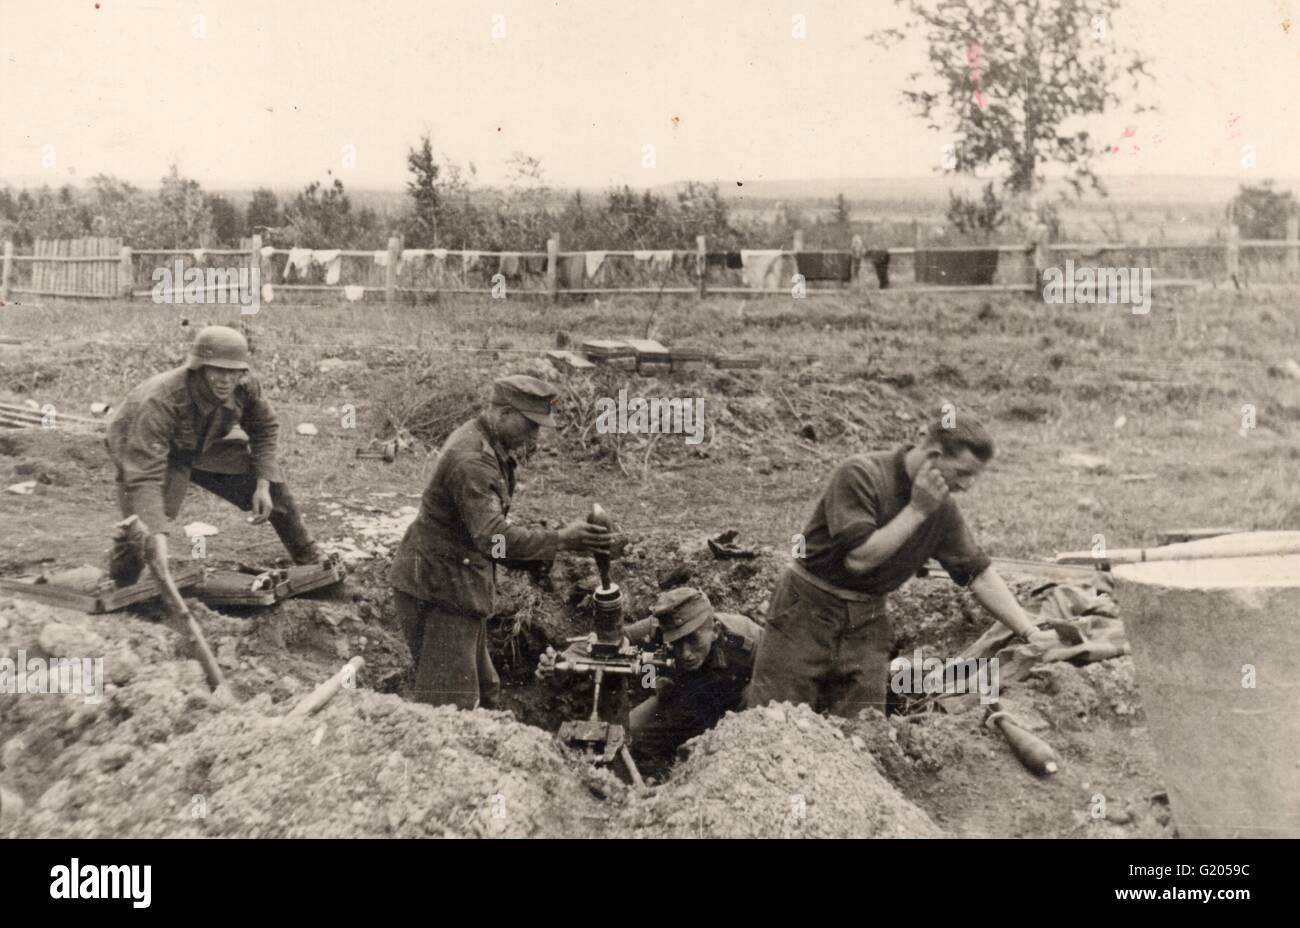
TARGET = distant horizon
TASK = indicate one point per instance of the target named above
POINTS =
(726, 185)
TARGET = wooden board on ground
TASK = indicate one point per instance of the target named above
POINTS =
(734, 363)
(605, 348)
(221, 587)
(89, 589)
(569, 361)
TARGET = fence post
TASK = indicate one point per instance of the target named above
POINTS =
(1234, 252)
(1293, 247)
(701, 262)
(390, 272)
(858, 250)
(918, 251)
(553, 267)
(125, 272)
(255, 263)
(7, 275)
(798, 240)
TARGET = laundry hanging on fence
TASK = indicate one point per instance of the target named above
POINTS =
(716, 259)
(825, 265)
(268, 250)
(644, 255)
(766, 269)
(354, 293)
(439, 254)
(662, 260)
(299, 260)
(879, 259)
(333, 262)
(571, 271)
(199, 253)
(964, 267)
(381, 259)
(594, 260)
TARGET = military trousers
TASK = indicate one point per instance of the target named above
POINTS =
(452, 664)
(823, 650)
(127, 563)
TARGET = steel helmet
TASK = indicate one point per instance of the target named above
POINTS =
(219, 346)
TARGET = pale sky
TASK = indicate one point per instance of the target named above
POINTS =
(270, 92)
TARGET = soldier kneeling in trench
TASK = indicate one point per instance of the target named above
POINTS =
(713, 658)
(208, 423)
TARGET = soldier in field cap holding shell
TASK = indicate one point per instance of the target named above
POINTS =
(444, 572)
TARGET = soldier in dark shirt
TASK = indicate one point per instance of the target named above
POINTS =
(444, 572)
(880, 518)
(713, 657)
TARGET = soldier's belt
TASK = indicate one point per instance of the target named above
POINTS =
(837, 591)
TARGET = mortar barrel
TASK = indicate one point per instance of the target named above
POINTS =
(1216, 647)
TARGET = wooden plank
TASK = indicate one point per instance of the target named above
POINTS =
(1172, 536)
(98, 597)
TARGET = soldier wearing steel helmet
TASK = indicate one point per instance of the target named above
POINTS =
(444, 572)
(207, 423)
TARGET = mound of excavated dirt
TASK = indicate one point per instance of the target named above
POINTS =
(367, 765)
(147, 696)
(779, 771)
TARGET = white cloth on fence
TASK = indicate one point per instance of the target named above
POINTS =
(199, 253)
(381, 258)
(300, 260)
(268, 250)
(268, 293)
(470, 259)
(439, 254)
(643, 255)
(594, 260)
(759, 265)
(354, 293)
(333, 262)
(663, 259)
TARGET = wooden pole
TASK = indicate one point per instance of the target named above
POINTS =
(918, 256)
(1234, 252)
(859, 250)
(7, 274)
(1293, 247)
(1040, 262)
(552, 267)
(390, 272)
(701, 262)
(125, 272)
(798, 240)
(255, 264)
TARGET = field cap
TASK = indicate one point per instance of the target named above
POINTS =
(534, 398)
(681, 611)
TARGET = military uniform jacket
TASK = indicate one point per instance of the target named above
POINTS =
(171, 423)
(448, 555)
(719, 685)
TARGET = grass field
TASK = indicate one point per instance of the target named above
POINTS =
(1047, 380)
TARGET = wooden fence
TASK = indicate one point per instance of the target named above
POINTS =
(102, 268)
(83, 268)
